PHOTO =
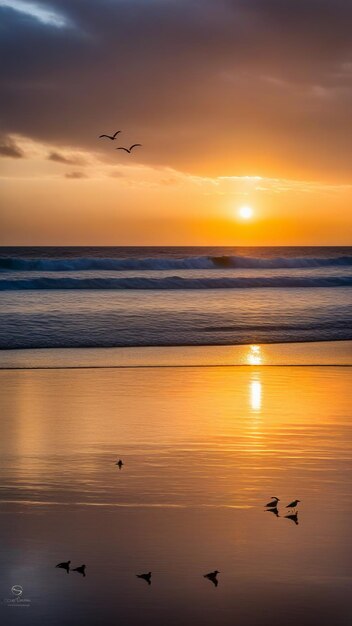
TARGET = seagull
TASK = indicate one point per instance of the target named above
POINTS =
(212, 576)
(112, 137)
(293, 504)
(120, 463)
(65, 565)
(81, 570)
(273, 503)
(146, 577)
(293, 517)
(129, 150)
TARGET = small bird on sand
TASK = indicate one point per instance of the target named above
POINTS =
(293, 517)
(81, 570)
(112, 137)
(212, 576)
(273, 503)
(146, 577)
(129, 150)
(64, 565)
(120, 463)
(293, 504)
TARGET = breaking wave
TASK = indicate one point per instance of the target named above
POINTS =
(201, 262)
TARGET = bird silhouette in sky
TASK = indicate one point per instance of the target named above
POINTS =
(146, 577)
(81, 570)
(112, 137)
(212, 576)
(129, 150)
(64, 565)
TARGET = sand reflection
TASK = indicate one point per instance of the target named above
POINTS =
(204, 449)
(256, 395)
(254, 356)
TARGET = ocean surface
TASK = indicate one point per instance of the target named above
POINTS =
(116, 297)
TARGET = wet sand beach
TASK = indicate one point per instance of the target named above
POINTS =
(204, 449)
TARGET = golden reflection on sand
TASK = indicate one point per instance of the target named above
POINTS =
(189, 436)
(254, 355)
(256, 395)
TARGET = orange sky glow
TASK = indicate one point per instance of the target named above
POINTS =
(257, 120)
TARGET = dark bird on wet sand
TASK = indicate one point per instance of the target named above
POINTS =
(293, 517)
(212, 576)
(120, 463)
(273, 503)
(112, 137)
(293, 504)
(65, 565)
(129, 150)
(146, 577)
(81, 570)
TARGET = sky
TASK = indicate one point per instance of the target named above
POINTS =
(235, 102)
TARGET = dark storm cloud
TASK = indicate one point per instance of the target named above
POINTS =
(8, 148)
(185, 77)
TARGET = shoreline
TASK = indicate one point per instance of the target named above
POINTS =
(320, 353)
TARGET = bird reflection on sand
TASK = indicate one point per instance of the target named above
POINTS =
(146, 577)
(212, 576)
(274, 510)
(293, 517)
(81, 570)
(64, 565)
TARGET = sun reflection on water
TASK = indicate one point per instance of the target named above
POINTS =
(256, 395)
(254, 356)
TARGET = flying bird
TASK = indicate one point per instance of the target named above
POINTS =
(212, 576)
(273, 503)
(129, 150)
(146, 577)
(112, 137)
(120, 463)
(293, 504)
(65, 565)
(81, 570)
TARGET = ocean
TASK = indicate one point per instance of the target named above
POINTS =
(153, 296)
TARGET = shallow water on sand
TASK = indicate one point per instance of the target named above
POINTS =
(204, 449)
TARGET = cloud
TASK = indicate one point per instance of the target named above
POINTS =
(57, 157)
(75, 175)
(37, 11)
(217, 87)
(116, 174)
(8, 148)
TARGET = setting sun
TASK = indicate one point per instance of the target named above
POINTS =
(245, 212)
